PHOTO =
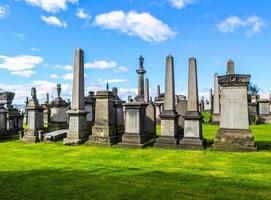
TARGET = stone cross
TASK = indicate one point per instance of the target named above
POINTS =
(146, 91)
(230, 67)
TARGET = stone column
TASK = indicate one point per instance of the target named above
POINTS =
(146, 91)
(169, 118)
(211, 100)
(216, 102)
(230, 67)
(78, 131)
(192, 120)
(140, 71)
(104, 128)
(158, 91)
(35, 120)
(234, 133)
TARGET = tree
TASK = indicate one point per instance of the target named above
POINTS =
(253, 89)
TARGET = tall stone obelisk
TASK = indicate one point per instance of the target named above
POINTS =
(216, 102)
(78, 132)
(140, 71)
(169, 118)
(146, 91)
(193, 120)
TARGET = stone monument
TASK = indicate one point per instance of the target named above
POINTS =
(146, 91)
(150, 122)
(169, 118)
(230, 67)
(216, 102)
(90, 108)
(181, 109)
(78, 131)
(35, 119)
(59, 108)
(234, 133)
(104, 128)
(193, 120)
(140, 71)
(3, 122)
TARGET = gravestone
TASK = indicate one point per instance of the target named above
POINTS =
(78, 131)
(118, 110)
(169, 118)
(181, 109)
(193, 138)
(3, 122)
(264, 111)
(216, 102)
(90, 108)
(59, 108)
(234, 133)
(150, 122)
(35, 120)
(135, 135)
(104, 128)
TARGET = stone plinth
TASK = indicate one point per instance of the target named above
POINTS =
(135, 135)
(58, 116)
(104, 128)
(264, 111)
(234, 133)
(3, 124)
(35, 122)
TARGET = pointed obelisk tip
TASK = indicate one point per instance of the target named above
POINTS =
(192, 58)
(169, 56)
(107, 86)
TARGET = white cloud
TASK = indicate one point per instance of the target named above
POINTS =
(68, 76)
(115, 81)
(143, 25)
(122, 68)
(20, 36)
(24, 90)
(66, 67)
(19, 63)
(35, 49)
(54, 21)
(24, 73)
(179, 4)
(55, 76)
(51, 5)
(4, 11)
(82, 14)
(254, 24)
(101, 64)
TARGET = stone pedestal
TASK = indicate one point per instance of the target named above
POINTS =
(35, 122)
(234, 133)
(104, 128)
(264, 111)
(78, 132)
(135, 135)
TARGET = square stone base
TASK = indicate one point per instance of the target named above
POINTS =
(104, 141)
(192, 143)
(133, 140)
(29, 138)
(234, 140)
(167, 142)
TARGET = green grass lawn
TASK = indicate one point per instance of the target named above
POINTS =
(55, 171)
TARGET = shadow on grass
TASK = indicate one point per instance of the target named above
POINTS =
(124, 183)
(263, 145)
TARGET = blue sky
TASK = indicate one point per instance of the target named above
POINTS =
(38, 38)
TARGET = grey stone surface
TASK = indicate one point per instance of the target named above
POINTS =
(264, 111)
(234, 133)
(150, 122)
(55, 135)
(78, 131)
(119, 114)
(146, 91)
(181, 109)
(169, 125)
(140, 71)
(216, 101)
(135, 135)
(193, 120)
(3, 123)
(90, 108)
(230, 67)
(104, 128)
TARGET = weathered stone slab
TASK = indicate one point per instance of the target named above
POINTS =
(55, 135)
